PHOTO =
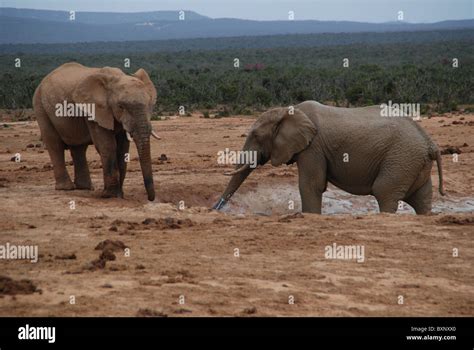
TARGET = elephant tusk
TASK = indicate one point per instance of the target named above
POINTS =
(242, 168)
(129, 137)
(153, 133)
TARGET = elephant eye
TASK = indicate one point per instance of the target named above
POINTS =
(258, 136)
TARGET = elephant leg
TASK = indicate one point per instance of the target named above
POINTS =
(387, 205)
(388, 193)
(312, 181)
(82, 177)
(421, 199)
(105, 143)
(56, 149)
(311, 200)
(123, 147)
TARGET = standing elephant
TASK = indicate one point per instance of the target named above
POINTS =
(355, 149)
(121, 104)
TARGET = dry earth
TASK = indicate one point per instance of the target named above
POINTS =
(162, 256)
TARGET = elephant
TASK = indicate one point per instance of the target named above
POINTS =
(356, 149)
(121, 104)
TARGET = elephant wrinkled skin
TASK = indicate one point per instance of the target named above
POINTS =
(122, 104)
(355, 149)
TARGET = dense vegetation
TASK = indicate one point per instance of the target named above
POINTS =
(243, 42)
(203, 79)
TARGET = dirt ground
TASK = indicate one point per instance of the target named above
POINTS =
(255, 258)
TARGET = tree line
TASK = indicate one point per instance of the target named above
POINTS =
(239, 81)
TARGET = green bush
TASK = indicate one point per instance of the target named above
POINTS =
(205, 80)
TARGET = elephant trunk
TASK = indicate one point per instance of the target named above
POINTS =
(237, 179)
(141, 136)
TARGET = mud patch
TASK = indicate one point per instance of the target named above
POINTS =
(150, 313)
(451, 150)
(110, 245)
(195, 195)
(94, 265)
(8, 286)
(289, 217)
(4, 182)
(285, 199)
(66, 257)
(108, 248)
(450, 219)
(151, 223)
(168, 223)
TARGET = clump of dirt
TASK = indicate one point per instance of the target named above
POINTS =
(129, 225)
(111, 245)
(179, 276)
(287, 218)
(250, 310)
(150, 313)
(96, 264)
(120, 267)
(451, 150)
(66, 257)
(151, 223)
(108, 248)
(107, 255)
(9, 286)
(162, 159)
(168, 223)
(451, 219)
(281, 174)
(4, 182)
(458, 122)
(181, 311)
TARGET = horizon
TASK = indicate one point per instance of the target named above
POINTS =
(369, 11)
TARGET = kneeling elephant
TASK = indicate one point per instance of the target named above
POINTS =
(355, 149)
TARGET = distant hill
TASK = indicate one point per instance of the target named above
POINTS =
(100, 17)
(44, 26)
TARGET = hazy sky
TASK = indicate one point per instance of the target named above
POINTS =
(353, 10)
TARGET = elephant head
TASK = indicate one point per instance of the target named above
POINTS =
(123, 101)
(278, 135)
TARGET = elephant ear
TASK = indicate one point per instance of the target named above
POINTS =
(145, 78)
(293, 134)
(93, 89)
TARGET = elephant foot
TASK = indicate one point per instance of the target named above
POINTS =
(65, 186)
(83, 185)
(112, 193)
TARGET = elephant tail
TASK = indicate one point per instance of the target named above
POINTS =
(435, 154)
(440, 173)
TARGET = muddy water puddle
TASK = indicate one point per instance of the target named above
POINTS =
(286, 199)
